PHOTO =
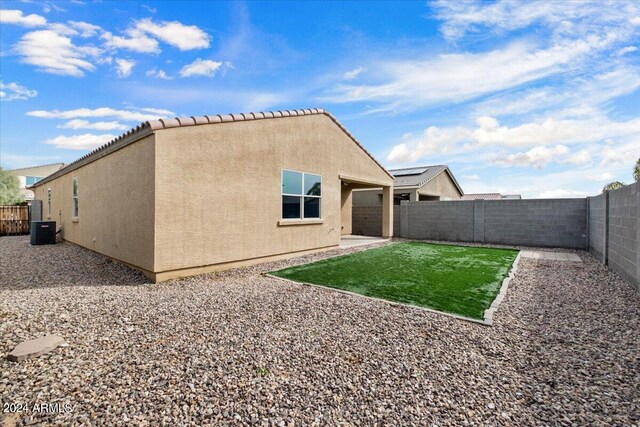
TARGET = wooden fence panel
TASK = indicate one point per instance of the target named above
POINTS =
(14, 220)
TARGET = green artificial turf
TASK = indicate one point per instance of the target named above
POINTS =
(455, 279)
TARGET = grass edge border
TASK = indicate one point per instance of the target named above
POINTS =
(455, 316)
(488, 313)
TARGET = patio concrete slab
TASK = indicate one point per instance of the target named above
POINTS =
(349, 241)
(552, 256)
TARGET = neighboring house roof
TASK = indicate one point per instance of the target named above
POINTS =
(420, 175)
(59, 165)
(482, 196)
(148, 127)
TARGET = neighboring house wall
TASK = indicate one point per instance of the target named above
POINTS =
(232, 172)
(116, 204)
(29, 176)
(441, 186)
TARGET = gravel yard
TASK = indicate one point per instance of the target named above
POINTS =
(240, 348)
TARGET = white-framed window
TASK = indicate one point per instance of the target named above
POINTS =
(48, 202)
(301, 195)
(74, 192)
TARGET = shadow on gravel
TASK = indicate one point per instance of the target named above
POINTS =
(23, 266)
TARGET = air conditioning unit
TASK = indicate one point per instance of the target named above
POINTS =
(43, 232)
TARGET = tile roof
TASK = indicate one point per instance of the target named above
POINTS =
(482, 196)
(418, 180)
(147, 128)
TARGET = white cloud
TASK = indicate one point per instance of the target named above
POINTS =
(158, 74)
(184, 37)
(84, 124)
(538, 157)
(408, 84)
(15, 161)
(124, 67)
(87, 141)
(126, 115)
(9, 16)
(621, 153)
(490, 133)
(580, 158)
(54, 53)
(627, 49)
(561, 194)
(575, 94)
(159, 112)
(84, 28)
(350, 75)
(471, 177)
(150, 9)
(605, 176)
(135, 40)
(13, 91)
(562, 17)
(201, 67)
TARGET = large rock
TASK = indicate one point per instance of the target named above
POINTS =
(35, 348)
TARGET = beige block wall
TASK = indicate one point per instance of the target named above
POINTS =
(442, 186)
(116, 204)
(218, 189)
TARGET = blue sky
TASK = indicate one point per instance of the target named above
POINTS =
(537, 98)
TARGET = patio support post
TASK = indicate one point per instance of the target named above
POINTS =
(387, 212)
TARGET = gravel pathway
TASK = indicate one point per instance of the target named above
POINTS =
(238, 348)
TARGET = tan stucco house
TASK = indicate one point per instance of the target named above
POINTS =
(420, 183)
(32, 174)
(197, 194)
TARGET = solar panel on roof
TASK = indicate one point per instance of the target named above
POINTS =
(405, 172)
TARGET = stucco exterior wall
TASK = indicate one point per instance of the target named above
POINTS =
(441, 186)
(218, 188)
(115, 204)
(346, 209)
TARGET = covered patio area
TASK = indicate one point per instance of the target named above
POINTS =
(348, 184)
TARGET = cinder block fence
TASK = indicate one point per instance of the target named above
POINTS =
(607, 225)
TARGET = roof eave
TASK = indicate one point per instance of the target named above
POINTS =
(147, 128)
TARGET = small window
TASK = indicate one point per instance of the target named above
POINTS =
(30, 180)
(74, 212)
(301, 194)
(48, 202)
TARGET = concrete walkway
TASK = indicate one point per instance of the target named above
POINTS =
(551, 256)
(349, 241)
